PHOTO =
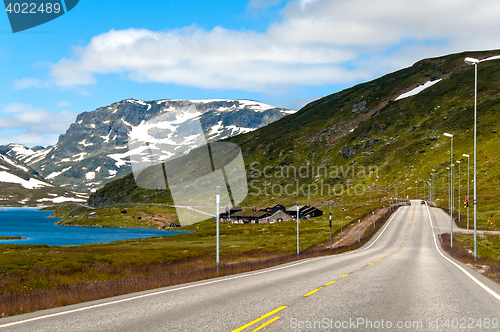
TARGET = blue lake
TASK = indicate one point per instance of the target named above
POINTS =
(39, 229)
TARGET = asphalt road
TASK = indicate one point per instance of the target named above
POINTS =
(399, 279)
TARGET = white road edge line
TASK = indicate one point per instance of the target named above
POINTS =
(190, 286)
(383, 230)
(151, 294)
(479, 283)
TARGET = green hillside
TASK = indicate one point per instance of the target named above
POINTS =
(360, 143)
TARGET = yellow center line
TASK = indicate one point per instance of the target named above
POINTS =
(308, 294)
(266, 324)
(312, 292)
(259, 319)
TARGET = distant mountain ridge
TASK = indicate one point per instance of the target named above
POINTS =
(22, 186)
(94, 150)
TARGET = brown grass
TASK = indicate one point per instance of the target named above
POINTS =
(487, 266)
(134, 278)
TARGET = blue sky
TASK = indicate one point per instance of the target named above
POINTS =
(285, 53)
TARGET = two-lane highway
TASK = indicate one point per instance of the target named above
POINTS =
(399, 279)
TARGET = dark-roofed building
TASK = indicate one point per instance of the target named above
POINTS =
(305, 211)
(312, 212)
(249, 217)
(292, 211)
(225, 216)
(278, 216)
(273, 209)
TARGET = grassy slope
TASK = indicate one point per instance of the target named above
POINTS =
(112, 216)
(488, 252)
(402, 139)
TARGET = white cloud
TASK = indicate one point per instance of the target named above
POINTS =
(253, 4)
(317, 42)
(23, 123)
(63, 104)
(28, 82)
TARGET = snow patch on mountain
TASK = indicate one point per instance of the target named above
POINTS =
(418, 89)
(28, 184)
(61, 199)
(55, 174)
(79, 156)
(11, 162)
(106, 138)
(85, 144)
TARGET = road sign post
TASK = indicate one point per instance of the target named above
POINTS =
(359, 230)
(298, 247)
(330, 230)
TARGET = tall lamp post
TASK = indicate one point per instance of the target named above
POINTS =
(449, 190)
(298, 218)
(468, 185)
(459, 173)
(451, 187)
(217, 202)
(472, 61)
(434, 185)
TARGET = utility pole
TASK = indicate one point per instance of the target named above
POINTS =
(468, 187)
(459, 174)
(472, 61)
(451, 188)
(359, 230)
(298, 248)
(330, 230)
(217, 202)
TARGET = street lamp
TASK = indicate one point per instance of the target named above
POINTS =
(459, 173)
(298, 218)
(468, 185)
(449, 191)
(472, 61)
(452, 204)
(451, 188)
(217, 202)
(434, 184)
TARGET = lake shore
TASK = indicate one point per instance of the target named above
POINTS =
(13, 238)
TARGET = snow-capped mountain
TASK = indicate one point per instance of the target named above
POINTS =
(94, 150)
(21, 185)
